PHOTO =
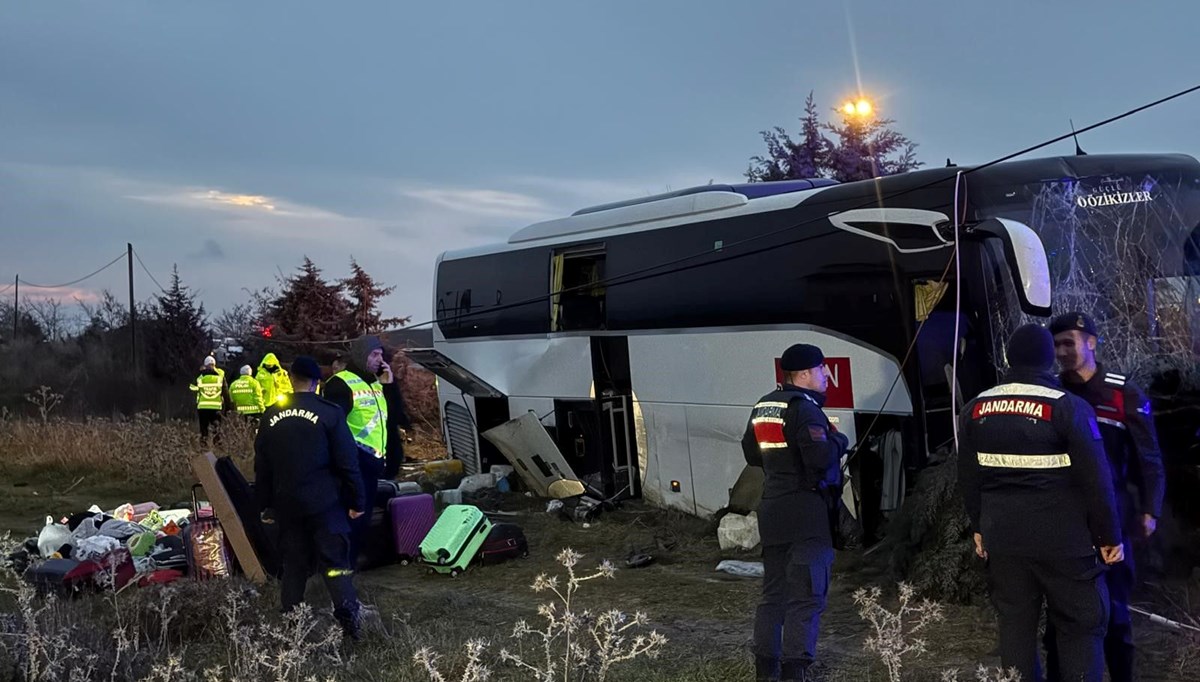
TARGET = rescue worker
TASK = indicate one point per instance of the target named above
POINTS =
(1131, 444)
(273, 379)
(366, 391)
(800, 452)
(209, 388)
(246, 395)
(307, 480)
(211, 361)
(1039, 495)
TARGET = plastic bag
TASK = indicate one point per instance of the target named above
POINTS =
(52, 537)
(744, 569)
(124, 512)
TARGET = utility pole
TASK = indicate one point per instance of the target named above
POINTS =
(16, 303)
(132, 312)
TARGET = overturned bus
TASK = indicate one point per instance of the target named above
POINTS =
(641, 332)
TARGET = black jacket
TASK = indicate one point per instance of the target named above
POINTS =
(1033, 471)
(305, 460)
(1130, 441)
(790, 437)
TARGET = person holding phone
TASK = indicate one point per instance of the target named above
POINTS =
(366, 391)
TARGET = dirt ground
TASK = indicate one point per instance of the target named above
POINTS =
(705, 614)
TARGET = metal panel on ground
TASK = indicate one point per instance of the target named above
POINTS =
(528, 447)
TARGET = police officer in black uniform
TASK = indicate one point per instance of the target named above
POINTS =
(1039, 495)
(1131, 443)
(307, 479)
(800, 452)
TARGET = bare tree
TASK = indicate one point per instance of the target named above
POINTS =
(238, 322)
(104, 316)
(52, 318)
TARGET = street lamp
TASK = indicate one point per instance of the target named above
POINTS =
(858, 108)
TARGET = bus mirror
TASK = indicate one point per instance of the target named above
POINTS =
(1026, 258)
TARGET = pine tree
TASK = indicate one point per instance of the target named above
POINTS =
(787, 159)
(365, 293)
(176, 335)
(864, 149)
(309, 309)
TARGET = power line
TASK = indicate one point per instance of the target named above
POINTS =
(5, 289)
(138, 256)
(76, 281)
(647, 272)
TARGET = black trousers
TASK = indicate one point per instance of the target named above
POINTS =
(208, 419)
(1077, 606)
(1118, 641)
(312, 542)
(370, 467)
(788, 619)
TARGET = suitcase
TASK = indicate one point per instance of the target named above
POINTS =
(62, 577)
(241, 493)
(378, 546)
(386, 491)
(207, 556)
(412, 518)
(455, 539)
(505, 541)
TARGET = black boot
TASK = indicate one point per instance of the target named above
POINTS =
(766, 669)
(794, 671)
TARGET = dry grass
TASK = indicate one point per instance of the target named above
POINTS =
(705, 615)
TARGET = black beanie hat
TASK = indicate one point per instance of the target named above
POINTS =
(800, 357)
(1031, 347)
(306, 367)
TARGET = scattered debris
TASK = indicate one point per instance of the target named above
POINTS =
(742, 569)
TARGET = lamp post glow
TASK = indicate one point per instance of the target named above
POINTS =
(859, 108)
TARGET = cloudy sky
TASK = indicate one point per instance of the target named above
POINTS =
(233, 138)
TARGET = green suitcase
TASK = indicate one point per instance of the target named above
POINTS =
(455, 539)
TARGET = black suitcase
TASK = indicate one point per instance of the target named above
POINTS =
(378, 546)
(506, 541)
(61, 577)
(263, 537)
(386, 490)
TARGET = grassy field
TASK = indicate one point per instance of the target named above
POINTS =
(705, 615)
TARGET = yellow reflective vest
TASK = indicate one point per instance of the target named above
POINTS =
(247, 395)
(368, 417)
(209, 393)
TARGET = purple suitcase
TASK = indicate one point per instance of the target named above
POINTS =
(412, 517)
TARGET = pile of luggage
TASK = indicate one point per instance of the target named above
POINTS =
(449, 542)
(140, 544)
(144, 544)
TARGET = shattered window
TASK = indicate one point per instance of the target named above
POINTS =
(1123, 250)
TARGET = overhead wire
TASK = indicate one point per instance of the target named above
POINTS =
(75, 281)
(647, 272)
(149, 274)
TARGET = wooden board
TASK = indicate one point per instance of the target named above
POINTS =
(205, 468)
